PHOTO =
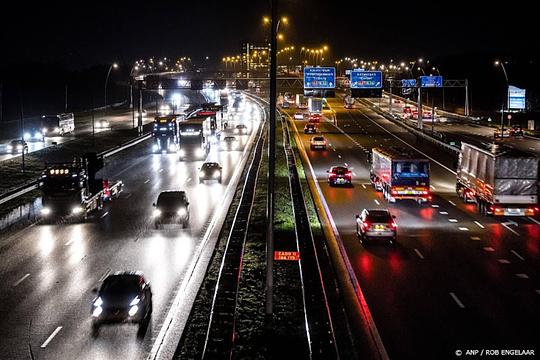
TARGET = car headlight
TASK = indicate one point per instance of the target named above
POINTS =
(201, 173)
(199, 152)
(216, 173)
(45, 211)
(9, 147)
(98, 302)
(77, 210)
(135, 301)
(155, 147)
(26, 135)
(133, 310)
(236, 131)
(19, 147)
(172, 146)
(97, 311)
(156, 212)
(56, 129)
(182, 211)
(37, 135)
(181, 153)
(44, 130)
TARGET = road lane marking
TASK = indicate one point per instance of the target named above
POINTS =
(533, 219)
(49, 339)
(160, 170)
(512, 230)
(433, 187)
(503, 261)
(339, 156)
(489, 249)
(479, 225)
(105, 274)
(434, 205)
(346, 165)
(463, 228)
(443, 212)
(147, 181)
(517, 255)
(458, 302)
(522, 276)
(364, 186)
(105, 214)
(354, 174)
(419, 254)
(475, 238)
(453, 220)
(453, 203)
(21, 280)
(377, 202)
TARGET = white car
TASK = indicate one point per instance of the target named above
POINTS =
(318, 142)
(298, 115)
(229, 143)
(102, 124)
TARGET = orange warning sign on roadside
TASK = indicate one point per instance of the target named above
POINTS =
(287, 255)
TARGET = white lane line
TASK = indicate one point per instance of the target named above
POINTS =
(188, 180)
(364, 186)
(479, 225)
(443, 212)
(128, 196)
(434, 205)
(533, 219)
(463, 228)
(105, 214)
(475, 238)
(453, 220)
(160, 170)
(419, 254)
(21, 280)
(489, 249)
(433, 187)
(512, 230)
(377, 202)
(147, 181)
(453, 203)
(49, 339)
(458, 302)
(105, 274)
(354, 174)
(339, 156)
(522, 276)
(517, 255)
(503, 261)
(346, 165)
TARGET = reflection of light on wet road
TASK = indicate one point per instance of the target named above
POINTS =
(46, 240)
(77, 245)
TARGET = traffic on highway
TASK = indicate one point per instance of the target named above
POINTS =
(269, 180)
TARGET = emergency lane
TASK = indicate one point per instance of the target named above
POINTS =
(49, 270)
(445, 286)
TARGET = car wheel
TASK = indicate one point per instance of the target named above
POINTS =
(95, 329)
(156, 225)
(219, 180)
(200, 181)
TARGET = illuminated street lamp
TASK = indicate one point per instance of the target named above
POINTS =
(501, 64)
(115, 66)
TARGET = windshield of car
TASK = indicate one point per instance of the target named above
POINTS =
(170, 199)
(318, 138)
(120, 285)
(229, 138)
(378, 217)
(210, 165)
(340, 171)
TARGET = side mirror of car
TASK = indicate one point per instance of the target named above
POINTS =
(187, 204)
(95, 290)
(393, 216)
(153, 204)
(327, 171)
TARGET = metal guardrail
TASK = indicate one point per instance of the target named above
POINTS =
(10, 195)
(409, 128)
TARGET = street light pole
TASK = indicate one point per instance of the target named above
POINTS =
(271, 168)
(114, 65)
(505, 97)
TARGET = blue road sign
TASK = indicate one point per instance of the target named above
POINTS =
(516, 98)
(319, 78)
(361, 79)
(431, 81)
(408, 83)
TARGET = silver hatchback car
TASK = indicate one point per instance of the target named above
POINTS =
(376, 224)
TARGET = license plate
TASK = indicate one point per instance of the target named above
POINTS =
(514, 212)
(379, 227)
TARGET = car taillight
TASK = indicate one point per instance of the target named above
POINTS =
(332, 174)
(366, 225)
(393, 192)
(393, 225)
(495, 209)
(348, 174)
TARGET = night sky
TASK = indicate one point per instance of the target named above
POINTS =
(86, 33)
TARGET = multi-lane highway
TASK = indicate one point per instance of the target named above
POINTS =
(49, 270)
(456, 280)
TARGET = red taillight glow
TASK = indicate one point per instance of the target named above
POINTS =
(393, 192)
(366, 225)
(393, 225)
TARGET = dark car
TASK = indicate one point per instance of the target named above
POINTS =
(377, 224)
(339, 175)
(310, 129)
(17, 147)
(229, 143)
(210, 171)
(241, 129)
(124, 297)
(171, 206)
